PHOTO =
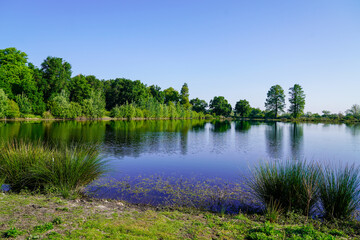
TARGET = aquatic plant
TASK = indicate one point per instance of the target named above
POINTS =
(339, 191)
(39, 166)
(293, 185)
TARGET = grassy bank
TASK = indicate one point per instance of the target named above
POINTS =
(45, 217)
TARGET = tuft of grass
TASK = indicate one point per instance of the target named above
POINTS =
(339, 192)
(12, 233)
(293, 185)
(273, 211)
(37, 166)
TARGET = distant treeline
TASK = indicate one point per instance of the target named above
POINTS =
(50, 91)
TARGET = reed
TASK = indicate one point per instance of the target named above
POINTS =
(339, 192)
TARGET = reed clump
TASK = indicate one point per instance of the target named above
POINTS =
(37, 166)
(305, 187)
(292, 184)
(339, 192)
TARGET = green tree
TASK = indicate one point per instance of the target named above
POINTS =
(17, 78)
(275, 101)
(243, 108)
(121, 91)
(297, 100)
(79, 88)
(256, 113)
(171, 95)
(220, 106)
(56, 76)
(198, 105)
(184, 96)
(156, 93)
(4, 104)
(354, 111)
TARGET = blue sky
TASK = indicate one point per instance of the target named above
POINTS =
(236, 49)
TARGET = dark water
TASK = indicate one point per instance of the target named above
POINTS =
(194, 149)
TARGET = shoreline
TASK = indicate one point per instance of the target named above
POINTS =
(28, 216)
(301, 120)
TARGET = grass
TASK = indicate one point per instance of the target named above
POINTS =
(37, 166)
(339, 192)
(292, 185)
(100, 219)
(305, 187)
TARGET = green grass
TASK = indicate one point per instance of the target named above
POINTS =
(96, 219)
(339, 192)
(36, 166)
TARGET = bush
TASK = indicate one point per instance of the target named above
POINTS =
(38, 166)
(47, 115)
(24, 104)
(4, 104)
(291, 184)
(13, 109)
(339, 192)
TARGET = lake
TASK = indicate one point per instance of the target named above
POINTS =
(219, 152)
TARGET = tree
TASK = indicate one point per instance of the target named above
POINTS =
(275, 101)
(198, 105)
(297, 100)
(156, 93)
(243, 108)
(18, 78)
(354, 110)
(220, 106)
(56, 76)
(171, 95)
(79, 88)
(121, 91)
(184, 96)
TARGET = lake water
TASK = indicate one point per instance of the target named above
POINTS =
(194, 149)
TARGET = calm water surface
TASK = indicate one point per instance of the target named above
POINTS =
(198, 149)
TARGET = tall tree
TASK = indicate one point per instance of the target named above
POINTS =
(79, 88)
(198, 105)
(16, 77)
(297, 100)
(220, 106)
(56, 76)
(354, 110)
(156, 93)
(171, 95)
(243, 108)
(275, 101)
(184, 96)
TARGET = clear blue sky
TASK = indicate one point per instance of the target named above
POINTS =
(237, 49)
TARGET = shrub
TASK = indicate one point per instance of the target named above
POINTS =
(47, 115)
(339, 192)
(4, 104)
(24, 104)
(291, 184)
(13, 109)
(37, 166)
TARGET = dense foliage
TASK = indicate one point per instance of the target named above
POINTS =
(50, 91)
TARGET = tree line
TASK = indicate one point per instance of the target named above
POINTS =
(51, 91)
